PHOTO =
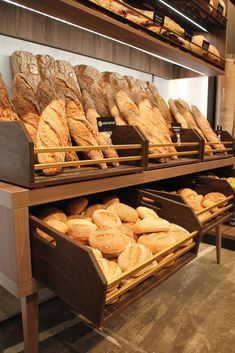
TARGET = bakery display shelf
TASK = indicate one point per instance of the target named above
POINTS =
(218, 153)
(86, 14)
(228, 232)
(189, 150)
(18, 166)
(75, 275)
(203, 186)
(163, 33)
(200, 12)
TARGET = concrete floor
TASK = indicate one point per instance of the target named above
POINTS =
(191, 312)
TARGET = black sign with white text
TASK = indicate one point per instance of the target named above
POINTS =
(205, 45)
(176, 128)
(106, 123)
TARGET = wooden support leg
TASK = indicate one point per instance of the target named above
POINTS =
(29, 309)
(218, 234)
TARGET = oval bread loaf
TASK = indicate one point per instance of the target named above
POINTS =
(150, 225)
(80, 229)
(110, 242)
(106, 219)
(145, 212)
(124, 212)
(157, 242)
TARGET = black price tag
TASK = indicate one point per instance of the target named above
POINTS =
(176, 128)
(205, 45)
(187, 36)
(158, 18)
(106, 123)
(220, 9)
(219, 129)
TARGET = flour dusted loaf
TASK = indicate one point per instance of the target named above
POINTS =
(150, 225)
(111, 242)
(124, 212)
(110, 269)
(157, 242)
(105, 218)
(76, 206)
(134, 256)
(52, 132)
(81, 229)
(55, 218)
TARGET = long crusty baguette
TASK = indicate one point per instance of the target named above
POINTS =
(52, 132)
(23, 62)
(81, 131)
(185, 111)
(112, 104)
(5, 101)
(102, 138)
(204, 125)
(65, 68)
(162, 106)
(178, 117)
(67, 87)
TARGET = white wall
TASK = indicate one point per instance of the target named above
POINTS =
(8, 45)
(192, 90)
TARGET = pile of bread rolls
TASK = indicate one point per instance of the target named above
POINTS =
(120, 236)
(199, 202)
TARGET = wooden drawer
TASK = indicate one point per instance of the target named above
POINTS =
(72, 272)
(202, 185)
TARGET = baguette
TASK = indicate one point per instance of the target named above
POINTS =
(178, 117)
(23, 62)
(112, 104)
(204, 125)
(81, 131)
(52, 132)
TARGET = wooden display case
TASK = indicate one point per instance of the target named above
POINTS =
(72, 272)
(218, 153)
(18, 166)
(203, 186)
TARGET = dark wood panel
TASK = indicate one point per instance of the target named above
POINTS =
(23, 24)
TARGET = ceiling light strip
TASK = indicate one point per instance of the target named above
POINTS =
(182, 15)
(103, 35)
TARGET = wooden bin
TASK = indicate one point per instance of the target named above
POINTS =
(218, 153)
(189, 151)
(203, 186)
(17, 163)
(72, 272)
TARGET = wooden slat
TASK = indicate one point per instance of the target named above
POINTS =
(180, 144)
(220, 203)
(86, 148)
(163, 155)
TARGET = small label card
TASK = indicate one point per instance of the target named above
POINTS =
(205, 45)
(158, 18)
(176, 128)
(219, 129)
(220, 9)
(106, 123)
(188, 36)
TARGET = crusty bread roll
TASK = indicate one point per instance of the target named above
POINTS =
(231, 181)
(150, 225)
(110, 269)
(188, 193)
(54, 218)
(157, 241)
(76, 205)
(133, 256)
(209, 203)
(80, 229)
(110, 200)
(127, 229)
(145, 212)
(214, 197)
(195, 205)
(124, 212)
(48, 213)
(78, 216)
(179, 233)
(97, 253)
(88, 212)
(106, 219)
(110, 242)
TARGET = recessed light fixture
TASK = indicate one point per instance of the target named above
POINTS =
(182, 15)
(102, 35)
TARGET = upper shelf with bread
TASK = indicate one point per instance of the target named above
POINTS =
(157, 34)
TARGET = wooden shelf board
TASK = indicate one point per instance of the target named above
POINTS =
(91, 19)
(228, 232)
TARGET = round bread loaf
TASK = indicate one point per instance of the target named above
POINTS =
(150, 225)
(110, 242)
(76, 206)
(188, 193)
(145, 212)
(54, 223)
(110, 269)
(156, 242)
(80, 229)
(195, 205)
(198, 40)
(97, 253)
(231, 181)
(52, 213)
(133, 256)
(106, 219)
(92, 208)
(214, 197)
(209, 203)
(124, 212)
(110, 200)
(179, 234)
